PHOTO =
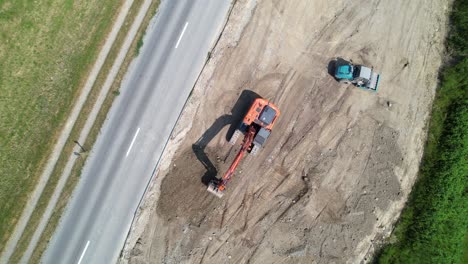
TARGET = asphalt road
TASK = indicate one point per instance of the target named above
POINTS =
(96, 222)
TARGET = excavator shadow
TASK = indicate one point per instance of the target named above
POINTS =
(233, 119)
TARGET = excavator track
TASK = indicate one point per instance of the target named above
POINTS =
(235, 137)
(254, 150)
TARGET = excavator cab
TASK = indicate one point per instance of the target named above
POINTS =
(256, 127)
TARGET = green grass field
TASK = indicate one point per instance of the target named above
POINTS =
(433, 227)
(46, 51)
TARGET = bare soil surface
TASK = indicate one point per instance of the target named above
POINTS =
(339, 165)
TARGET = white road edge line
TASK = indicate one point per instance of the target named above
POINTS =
(181, 34)
(84, 251)
(133, 141)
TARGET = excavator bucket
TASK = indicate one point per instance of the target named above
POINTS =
(213, 188)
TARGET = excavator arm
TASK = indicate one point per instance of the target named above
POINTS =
(217, 187)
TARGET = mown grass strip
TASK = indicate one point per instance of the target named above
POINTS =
(46, 51)
(433, 226)
(76, 172)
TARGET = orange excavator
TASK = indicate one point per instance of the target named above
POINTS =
(256, 128)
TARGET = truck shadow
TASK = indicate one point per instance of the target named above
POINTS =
(238, 111)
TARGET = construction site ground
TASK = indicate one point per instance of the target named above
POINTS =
(335, 173)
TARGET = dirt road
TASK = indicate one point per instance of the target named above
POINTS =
(336, 171)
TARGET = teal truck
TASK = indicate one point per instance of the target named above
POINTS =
(359, 75)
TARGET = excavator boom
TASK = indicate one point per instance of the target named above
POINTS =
(218, 188)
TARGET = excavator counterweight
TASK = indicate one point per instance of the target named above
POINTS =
(256, 127)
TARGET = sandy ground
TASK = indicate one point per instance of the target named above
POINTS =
(336, 172)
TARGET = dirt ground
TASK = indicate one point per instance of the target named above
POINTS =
(339, 165)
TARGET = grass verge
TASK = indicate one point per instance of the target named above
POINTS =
(46, 52)
(114, 91)
(433, 226)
